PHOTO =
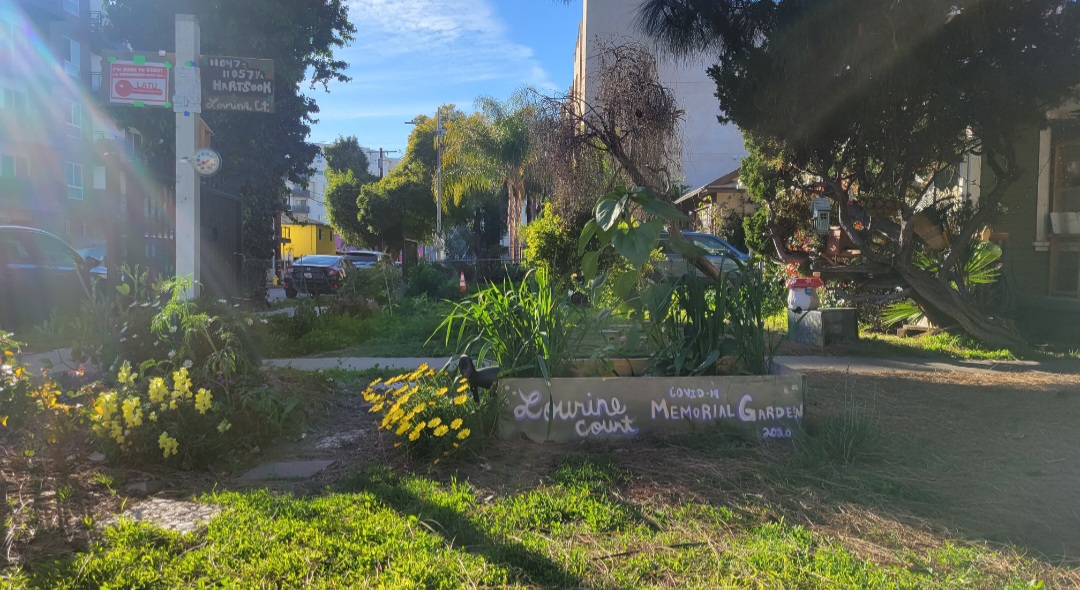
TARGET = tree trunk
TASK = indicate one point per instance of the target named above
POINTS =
(943, 306)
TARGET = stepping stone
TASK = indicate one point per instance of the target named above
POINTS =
(174, 515)
(339, 440)
(286, 470)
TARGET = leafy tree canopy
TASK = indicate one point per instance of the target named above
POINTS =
(260, 151)
(868, 99)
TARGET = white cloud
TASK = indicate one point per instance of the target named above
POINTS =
(448, 42)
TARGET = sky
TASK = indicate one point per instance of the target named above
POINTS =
(410, 56)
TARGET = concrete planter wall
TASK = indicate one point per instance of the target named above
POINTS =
(576, 409)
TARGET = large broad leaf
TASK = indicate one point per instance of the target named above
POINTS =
(609, 210)
(624, 283)
(905, 311)
(659, 208)
(588, 264)
(687, 249)
(636, 243)
(587, 234)
(982, 267)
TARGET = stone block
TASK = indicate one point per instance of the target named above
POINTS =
(823, 327)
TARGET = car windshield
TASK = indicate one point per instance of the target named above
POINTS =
(712, 245)
(318, 260)
(363, 256)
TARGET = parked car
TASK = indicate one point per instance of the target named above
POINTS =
(722, 254)
(317, 274)
(365, 258)
(96, 252)
(39, 273)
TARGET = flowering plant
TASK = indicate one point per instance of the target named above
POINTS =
(431, 413)
(151, 418)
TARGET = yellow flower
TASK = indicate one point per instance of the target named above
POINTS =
(376, 407)
(414, 435)
(435, 462)
(158, 390)
(202, 400)
(464, 387)
(456, 445)
(375, 382)
(464, 433)
(224, 426)
(172, 405)
(456, 423)
(441, 430)
(434, 422)
(419, 408)
(125, 375)
(153, 416)
(402, 428)
(460, 399)
(442, 391)
(181, 383)
(168, 444)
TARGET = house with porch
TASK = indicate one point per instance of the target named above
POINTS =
(1042, 253)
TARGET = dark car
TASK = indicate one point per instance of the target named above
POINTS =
(317, 274)
(722, 254)
(365, 258)
(39, 273)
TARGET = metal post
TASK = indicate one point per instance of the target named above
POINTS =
(438, 184)
(188, 248)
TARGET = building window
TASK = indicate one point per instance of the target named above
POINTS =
(11, 167)
(72, 59)
(99, 178)
(320, 234)
(74, 114)
(72, 6)
(12, 99)
(7, 42)
(73, 174)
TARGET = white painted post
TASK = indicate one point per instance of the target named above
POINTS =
(188, 248)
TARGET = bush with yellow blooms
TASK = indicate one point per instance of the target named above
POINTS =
(164, 418)
(431, 413)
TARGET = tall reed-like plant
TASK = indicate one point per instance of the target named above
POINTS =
(527, 328)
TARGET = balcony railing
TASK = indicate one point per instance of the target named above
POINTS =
(300, 193)
(98, 21)
(304, 209)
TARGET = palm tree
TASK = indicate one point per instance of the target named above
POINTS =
(491, 149)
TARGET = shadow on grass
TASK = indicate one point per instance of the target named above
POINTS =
(525, 566)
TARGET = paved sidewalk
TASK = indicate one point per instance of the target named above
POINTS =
(358, 363)
(877, 366)
(858, 365)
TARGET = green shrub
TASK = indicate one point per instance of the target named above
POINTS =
(382, 283)
(432, 414)
(528, 329)
(550, 244)
(424, 278)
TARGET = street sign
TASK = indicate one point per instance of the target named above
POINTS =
(139, 84)
(241, 84)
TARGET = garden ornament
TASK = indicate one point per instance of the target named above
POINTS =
(477, 378)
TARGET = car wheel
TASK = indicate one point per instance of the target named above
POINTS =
(290, 293)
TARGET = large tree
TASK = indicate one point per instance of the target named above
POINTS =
(493, 149)
(865, 100)
(260, 151)
(347, 169)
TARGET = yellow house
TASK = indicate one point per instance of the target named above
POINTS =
(310, 238)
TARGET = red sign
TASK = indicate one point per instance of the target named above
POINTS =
(146, 84)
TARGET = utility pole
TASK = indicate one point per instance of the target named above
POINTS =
(381, 153)
(438, 184)
(188, 118)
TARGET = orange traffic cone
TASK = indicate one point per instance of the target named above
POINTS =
(462, 282)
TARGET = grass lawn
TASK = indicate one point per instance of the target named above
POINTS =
(905, 481)
(397, 333)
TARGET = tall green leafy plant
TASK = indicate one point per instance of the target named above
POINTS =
(528, 328)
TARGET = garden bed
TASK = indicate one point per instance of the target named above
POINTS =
(575, 409)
